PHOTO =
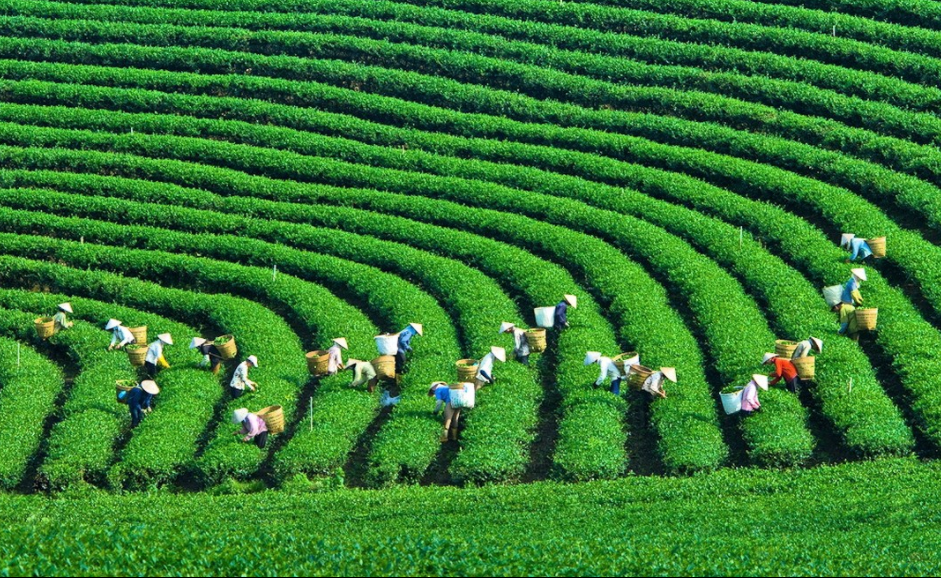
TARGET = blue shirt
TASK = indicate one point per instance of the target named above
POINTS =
(138, 398)
(561, 317)
(405, 338)
(851, 285)
(860, 249)
(443, 394)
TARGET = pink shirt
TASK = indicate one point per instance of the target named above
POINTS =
(750, 397)
(255, 426)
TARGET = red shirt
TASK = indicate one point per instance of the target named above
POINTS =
(784, 368)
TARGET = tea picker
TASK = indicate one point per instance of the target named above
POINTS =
(335, 352)
(404, 345)
(254, 427)
(120, 335)
(806, 346)
(60, 319)
(363, 372)
(783, 369)
(212, 357)
(453, 398)
(750, 401)
(140, 400)
(654, 383)
(561, 311)
(240, 378)
(485, 367)
(851, 294)
(609, 369)
(858, 247)
(155, 355)
(520, 343)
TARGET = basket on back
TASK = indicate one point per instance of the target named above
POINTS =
(462, 395)
(466, 369)
(866, 318)
(136, 354)
(45, 327)
(805, 366)
(274, 418)
(637, 375)
(384, 366)
(545, 317)
(318, 362)
(226, 346)
(877, 246)
(784, 348)
(123, 386)
(536, 337)
(140, 334)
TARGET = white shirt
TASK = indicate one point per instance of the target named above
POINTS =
(486, 365)
(154, 352)
(121, 335)
(653, 384)
(803, 349)
(608, 369)
(336, 359)
(240, 378)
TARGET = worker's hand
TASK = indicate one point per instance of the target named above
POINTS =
(110, 347)
(246, 438)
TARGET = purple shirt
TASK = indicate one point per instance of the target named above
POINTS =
(253, 425)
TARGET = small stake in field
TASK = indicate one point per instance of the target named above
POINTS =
(17, 356)
(274, 272)
(850, 386)
(311, 411)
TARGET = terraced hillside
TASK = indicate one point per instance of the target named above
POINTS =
(291, 171)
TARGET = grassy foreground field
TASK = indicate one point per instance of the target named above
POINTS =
(854, 519)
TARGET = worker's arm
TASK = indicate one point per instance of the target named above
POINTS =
(438, 404)
(162, 362)
(857, 296)
(602, 375)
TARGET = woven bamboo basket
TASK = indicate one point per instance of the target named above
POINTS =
(384, 366)
(805, 367)
(466, 369)
(123, 385)
(866, 318)
(878, 247)
(136, 354)
(785, 348)
(274, 418)
(536, 337)
(140, 334)
(318, 362)
(45, 327)
(227, 350)
(638, 376)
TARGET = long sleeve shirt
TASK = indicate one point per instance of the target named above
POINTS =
(138, 398)
(783, 368)
(561, 314)
(442, 397)
(520, 343)
(851, 292)
(240, 377)
(803, 349)
(121, 336)
(252, 426)
(209, 349)
(859, 248)
(608, 369)
(363, 372)
(335, 361)
(61, 321)
(653, 384)
(750, 397)
(486, 367)
(848, 323)
(155, 354)
(405, 338)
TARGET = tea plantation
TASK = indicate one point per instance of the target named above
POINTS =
(293, 171)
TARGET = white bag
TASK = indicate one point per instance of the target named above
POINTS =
(732, 402)
(833, 295)
(545, 317)
(462, 395)
(387, 344)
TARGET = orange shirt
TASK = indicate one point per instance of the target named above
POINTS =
(784, 368)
